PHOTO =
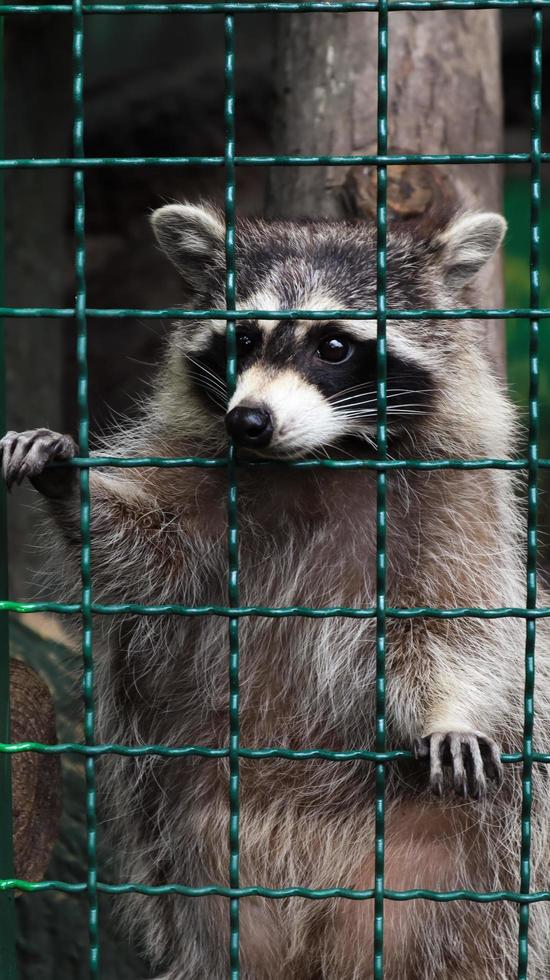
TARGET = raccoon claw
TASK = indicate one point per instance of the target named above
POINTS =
(28, 453)
(473, 759)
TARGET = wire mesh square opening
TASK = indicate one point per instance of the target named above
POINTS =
(85, 318)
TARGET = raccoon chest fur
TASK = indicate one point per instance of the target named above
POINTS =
(303, 679)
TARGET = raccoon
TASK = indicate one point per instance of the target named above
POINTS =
(307, 537)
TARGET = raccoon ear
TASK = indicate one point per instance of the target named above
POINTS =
(192, 236)
(467, 244)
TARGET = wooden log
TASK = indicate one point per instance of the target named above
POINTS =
(444, 97)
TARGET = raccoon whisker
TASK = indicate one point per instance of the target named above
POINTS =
(394, 393)
(213, 380)
(219, 398)
(365, 385)
(205, 383)
(369, 408)
(211, 384)
(368, 412)
(412, 406)
(205, 380)
(413, 391)
(371, 416)
(391, 410)
(207, 371)
(366, 438)
(346, 391)
(368, 397)
(360, 400)
(373, 401)
(403, 410)
(220, 404)
(320, 451)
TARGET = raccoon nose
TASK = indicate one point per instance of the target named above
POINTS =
(249, 426)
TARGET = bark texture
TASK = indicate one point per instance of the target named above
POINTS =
(444, 97)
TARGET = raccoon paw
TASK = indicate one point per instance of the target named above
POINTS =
(473, 759)
(28, 453)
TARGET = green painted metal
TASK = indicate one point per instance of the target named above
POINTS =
(265, 753)
(86, 608)
(381, 486)
(318, 894)
(44, 163)
(532, 494)
(84, 476)
(467, 313)
(173, 609)
(330, 6)
(82, 462)
(7, 900)
(232, 503)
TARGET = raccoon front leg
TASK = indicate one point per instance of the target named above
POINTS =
(27, 454)
(473, 758)
(467, 707)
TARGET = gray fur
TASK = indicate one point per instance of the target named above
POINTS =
(308, 538)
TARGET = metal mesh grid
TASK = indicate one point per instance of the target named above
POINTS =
(381, 465)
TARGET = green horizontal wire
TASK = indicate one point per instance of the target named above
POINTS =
(302, 464)
(163, 462)
(11, 748)
(283, 160)
(182, 751)
(276, 893)
(308, 612)
(307, 6)
(473, 313)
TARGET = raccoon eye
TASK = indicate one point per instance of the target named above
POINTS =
(334, 349)
(246, 343)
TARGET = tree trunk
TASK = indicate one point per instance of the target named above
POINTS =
(444, 97)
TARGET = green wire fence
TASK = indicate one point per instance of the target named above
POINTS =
(382, 466)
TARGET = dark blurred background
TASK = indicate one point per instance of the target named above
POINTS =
(154, 86)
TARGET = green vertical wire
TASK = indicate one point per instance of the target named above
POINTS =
(83, 438)
(532, 499)
(233, 566)
(381, 477)
(7, 899)
(232, 515)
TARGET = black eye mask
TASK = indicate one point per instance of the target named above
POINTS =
(409, 385)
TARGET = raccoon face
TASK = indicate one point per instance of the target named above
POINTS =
(303, 385)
